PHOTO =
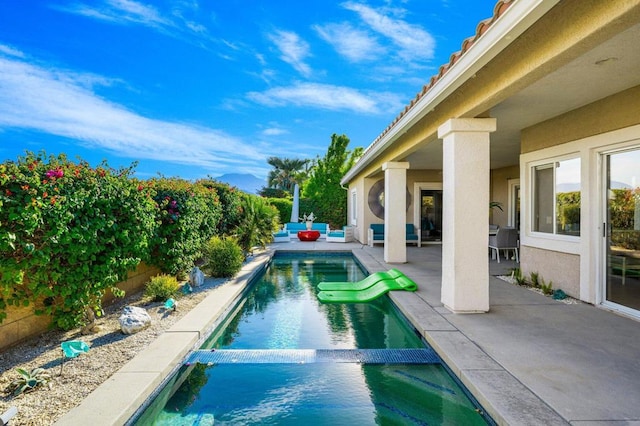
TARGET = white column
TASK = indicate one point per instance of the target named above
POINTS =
(465, 267)
(395, 211)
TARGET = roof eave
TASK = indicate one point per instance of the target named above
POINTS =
(515, 21)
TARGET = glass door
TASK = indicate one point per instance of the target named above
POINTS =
(622, 237)
(431, 215)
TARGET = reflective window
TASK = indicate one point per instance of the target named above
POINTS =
(556, 197)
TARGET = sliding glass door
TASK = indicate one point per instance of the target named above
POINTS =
(622, 236)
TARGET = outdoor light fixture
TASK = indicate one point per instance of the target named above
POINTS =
(8, 415)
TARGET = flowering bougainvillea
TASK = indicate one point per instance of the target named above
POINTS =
(189, 214)
(68, 232)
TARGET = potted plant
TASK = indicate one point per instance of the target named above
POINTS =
(308, 220)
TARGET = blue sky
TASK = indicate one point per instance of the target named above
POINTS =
(197, 88)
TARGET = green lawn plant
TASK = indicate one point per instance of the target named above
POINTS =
(69, 232)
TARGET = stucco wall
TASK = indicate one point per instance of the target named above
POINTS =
(21, 323)
(500, 193)
(561, 268)
(614, 112)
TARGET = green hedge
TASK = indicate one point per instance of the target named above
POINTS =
(69, 232)
(188, 215)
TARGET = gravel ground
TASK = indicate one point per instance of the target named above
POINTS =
(110, 350)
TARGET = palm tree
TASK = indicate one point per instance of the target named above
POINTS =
(286, 173)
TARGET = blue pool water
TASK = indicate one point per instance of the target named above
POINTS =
(281, 311)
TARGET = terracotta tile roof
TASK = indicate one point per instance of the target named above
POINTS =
(500, 7)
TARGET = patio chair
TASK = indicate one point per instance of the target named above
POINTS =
(505, 239)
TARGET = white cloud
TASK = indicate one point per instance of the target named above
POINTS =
(175, 23)
(414, 44)
(293, 50)
(10, 51)
(328, 97)
(60, 103)
(120, 12)
(354, 44)
(274, 131)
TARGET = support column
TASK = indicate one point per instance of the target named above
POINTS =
(395, 211)
(466, 168)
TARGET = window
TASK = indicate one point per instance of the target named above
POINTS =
(354, 204)
(556, 197)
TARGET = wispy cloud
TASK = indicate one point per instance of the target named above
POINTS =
(354, 44)
(58, 102)
(327, 97)
(413, 44)
(177, 22)
(293, 50)
(120, 12)
(274, 131)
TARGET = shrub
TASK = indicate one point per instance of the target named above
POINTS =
(161, 287)
(231, 205)
(223, 257)
(188, 215)
(29, 381)
(547, 288)
(69, 232)
(284, 207)
(259, 221)
(517, 275)
(535, 279)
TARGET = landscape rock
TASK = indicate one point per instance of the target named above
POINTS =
(134, 319)
(196, 277)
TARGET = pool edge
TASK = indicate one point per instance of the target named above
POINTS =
(117, 399)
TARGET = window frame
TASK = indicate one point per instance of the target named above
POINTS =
(551, 163)
(353, 213)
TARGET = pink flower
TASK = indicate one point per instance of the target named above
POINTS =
(53, 174)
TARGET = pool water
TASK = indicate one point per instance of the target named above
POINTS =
(281, 311)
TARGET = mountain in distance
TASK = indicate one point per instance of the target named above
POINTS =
(244, 182)
(571, 187)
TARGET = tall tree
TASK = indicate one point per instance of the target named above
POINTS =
(323, 186)
(286, 173)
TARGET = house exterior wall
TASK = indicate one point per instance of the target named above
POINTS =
(614, 112)
(585, 133)
(562, 269)
(500, 193)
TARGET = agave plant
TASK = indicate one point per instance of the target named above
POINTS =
(29, 380)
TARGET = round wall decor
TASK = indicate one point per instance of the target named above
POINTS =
(376, 199)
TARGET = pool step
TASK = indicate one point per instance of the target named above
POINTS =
(309, 356)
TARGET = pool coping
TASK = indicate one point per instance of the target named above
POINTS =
(504, 398)
(117, 399)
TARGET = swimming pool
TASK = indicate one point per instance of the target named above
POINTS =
(281, 311)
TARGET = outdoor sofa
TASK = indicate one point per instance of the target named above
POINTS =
(375, 234)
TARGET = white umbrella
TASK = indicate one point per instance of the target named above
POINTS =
(295, 209)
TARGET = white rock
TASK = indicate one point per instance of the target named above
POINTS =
(196, 277)
(134, 319)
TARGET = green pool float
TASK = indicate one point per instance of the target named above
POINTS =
(368, 294)
(363, 284)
